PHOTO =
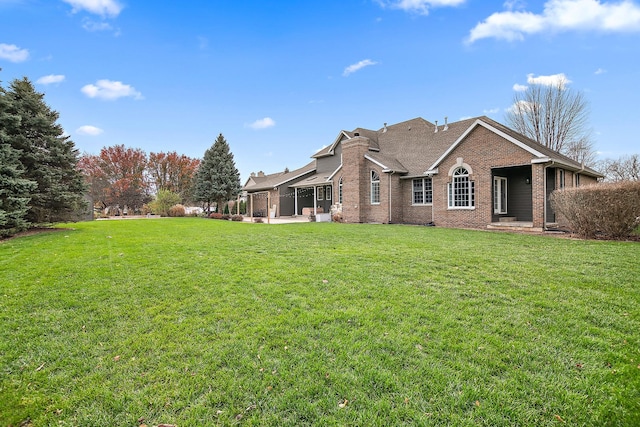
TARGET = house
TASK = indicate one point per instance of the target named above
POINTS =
(474, 173)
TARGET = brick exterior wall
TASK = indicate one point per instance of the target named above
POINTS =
(414, 214)
(482, 151)
(355, 179)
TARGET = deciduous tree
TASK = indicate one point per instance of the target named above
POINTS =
(217, 179)
(117, 176)
(625, 168)
(556, 117)
(173, 172)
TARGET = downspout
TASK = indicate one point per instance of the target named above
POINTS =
(295, 201)
(544, 199)
(390, 175)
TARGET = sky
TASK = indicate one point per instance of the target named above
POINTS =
(281, 78)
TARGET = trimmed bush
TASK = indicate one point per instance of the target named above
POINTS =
(177, 211)
(215, 215)
(610, 210)
(237, 218)
(337, 217)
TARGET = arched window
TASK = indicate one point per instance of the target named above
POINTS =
(461, 189)
(375, 188)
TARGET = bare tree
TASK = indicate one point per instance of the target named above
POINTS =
(556, 117)
(626, 168)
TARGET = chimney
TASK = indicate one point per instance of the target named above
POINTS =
(436, 129)
(446, 126)
(385, 128)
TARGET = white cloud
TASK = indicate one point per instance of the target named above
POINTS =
(419, 6)
(264, 123)
(600, 71)
(519, 88)
(492, 111)
(97, 7)
(360, 65)
(93, 26)
(552, 80)
(13, 53)
(89, 130)
(521, 107)
(560, 15)
(50, 79)
(110, 90)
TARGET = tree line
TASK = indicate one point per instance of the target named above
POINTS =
(124, 180)
(44, 179)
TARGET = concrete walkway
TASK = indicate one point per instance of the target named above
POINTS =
(279, 220)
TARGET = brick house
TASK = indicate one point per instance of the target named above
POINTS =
(474, 173)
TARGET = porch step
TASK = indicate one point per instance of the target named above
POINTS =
(513, 226)
(507, 219)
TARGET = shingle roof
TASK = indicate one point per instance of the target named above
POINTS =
(412, 146)
(268, 182)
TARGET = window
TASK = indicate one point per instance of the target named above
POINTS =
(375, 188)
(577, 180)
(499, 195)
(461, 190)
(340, 190)
(561, 178)
(320, 193)
(422, 191)
(327, 191)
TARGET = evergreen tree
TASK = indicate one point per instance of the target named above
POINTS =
(48, 156)
(217, 179)
(14, 190)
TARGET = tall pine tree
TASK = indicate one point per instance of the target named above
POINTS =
(48, 156)
(14, 189)
(218, 179)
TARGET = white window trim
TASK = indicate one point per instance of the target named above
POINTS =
(471, 184)
(424, 192)
(320, 193)
(371, 188)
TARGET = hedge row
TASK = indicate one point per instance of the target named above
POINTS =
(609, 210)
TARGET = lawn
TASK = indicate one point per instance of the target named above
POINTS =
(195, 322)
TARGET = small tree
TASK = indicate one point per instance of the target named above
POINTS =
(556, 117)
(217, 179)
(165, 199)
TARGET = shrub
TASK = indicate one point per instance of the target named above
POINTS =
(237, 218)
(226, 217)
(215, 215)
(610, 210)
(258, 220)
(176, 210)
(165, 199)
(337, 217)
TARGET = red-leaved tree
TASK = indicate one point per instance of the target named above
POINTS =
(116, 177)
(173, 172)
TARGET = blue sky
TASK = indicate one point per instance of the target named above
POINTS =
(280, 79)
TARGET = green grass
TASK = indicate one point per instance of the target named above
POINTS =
(199, 322)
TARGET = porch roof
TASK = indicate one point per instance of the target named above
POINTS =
(271, 181)
(313, 180)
